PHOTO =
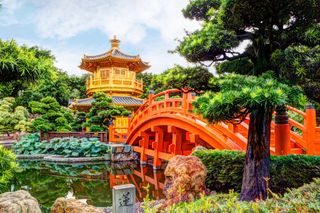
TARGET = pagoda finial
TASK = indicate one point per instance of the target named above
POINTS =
(115, 42)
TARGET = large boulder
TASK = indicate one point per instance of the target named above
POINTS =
(184, 179)
(18, 201)
(63, 205)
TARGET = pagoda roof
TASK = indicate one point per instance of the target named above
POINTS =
(114, 55)
(118, 100)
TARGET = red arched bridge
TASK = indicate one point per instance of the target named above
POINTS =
(165, 126)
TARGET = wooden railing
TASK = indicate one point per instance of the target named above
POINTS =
(114, 83)
(167, 102)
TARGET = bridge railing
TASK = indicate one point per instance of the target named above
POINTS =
(309, 137)
(175, 101)
(161, 102)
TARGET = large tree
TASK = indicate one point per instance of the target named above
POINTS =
(186, 78)
(267, 27)
(20, 66)
(233, 98)
(61, 86)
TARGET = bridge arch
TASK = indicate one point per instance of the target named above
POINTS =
(165, 125)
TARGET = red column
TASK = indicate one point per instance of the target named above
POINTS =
(310, 126)
(176, 141)
(157, 146)
(111, 133)
(282, 132)
(144, 143)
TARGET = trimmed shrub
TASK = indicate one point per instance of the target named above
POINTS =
(68, 146)
(303, 199)
(7, 166)
(225, 170)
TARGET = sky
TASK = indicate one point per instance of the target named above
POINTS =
(72, 28)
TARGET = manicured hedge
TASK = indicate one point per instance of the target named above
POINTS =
(303, 199)
(225, 169)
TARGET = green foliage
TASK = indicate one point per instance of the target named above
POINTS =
(7, 166)
(303, 199)
(147, 82)
(102, 113)
(191, 78)
(13, 119)
(200, 9)
(239, 95)
(79, 119)
(241, 66)
(300, 65)
(68, 146)
(208, 43)
(62, 87)
(196, 78)
(266, 26)
(21, 65)
(225, 169)
(29, 74)
(53, 116)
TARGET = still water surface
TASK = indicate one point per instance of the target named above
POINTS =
(91, 182)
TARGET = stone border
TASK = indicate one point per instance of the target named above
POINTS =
(31, 157)
(73, 160)
(60, 158)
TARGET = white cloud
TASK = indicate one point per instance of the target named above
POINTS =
(7, 9)
(131, 20)
(126, 18)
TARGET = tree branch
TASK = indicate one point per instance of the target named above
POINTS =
(245, 36)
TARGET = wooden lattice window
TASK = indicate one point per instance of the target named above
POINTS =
(104, 73)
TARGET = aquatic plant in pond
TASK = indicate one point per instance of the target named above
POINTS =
(68, 146)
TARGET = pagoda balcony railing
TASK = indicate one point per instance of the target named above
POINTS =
(114, 83)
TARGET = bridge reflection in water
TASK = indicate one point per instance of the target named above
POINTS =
(91, 182)
(145, 179)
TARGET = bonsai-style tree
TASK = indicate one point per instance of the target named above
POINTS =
(13, 119)
(79, 120)
(103, 112)
(52, 117)
(187, 78)
(267, 27)
(237, 96)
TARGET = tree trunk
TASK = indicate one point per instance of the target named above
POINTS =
(257, 164)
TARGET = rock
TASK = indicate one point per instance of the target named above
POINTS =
(121, 152)
(184, 179)
(63, 205)
(18, 201)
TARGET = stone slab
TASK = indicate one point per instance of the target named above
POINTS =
(123, 198)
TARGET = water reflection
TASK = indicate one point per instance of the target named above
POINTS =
(90, 182)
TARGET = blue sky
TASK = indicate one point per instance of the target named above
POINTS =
(71, 28)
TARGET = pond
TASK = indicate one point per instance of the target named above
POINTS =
(90, 182)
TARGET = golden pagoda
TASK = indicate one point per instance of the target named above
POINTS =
(113, 73)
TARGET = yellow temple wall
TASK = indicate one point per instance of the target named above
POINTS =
(115, 81)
